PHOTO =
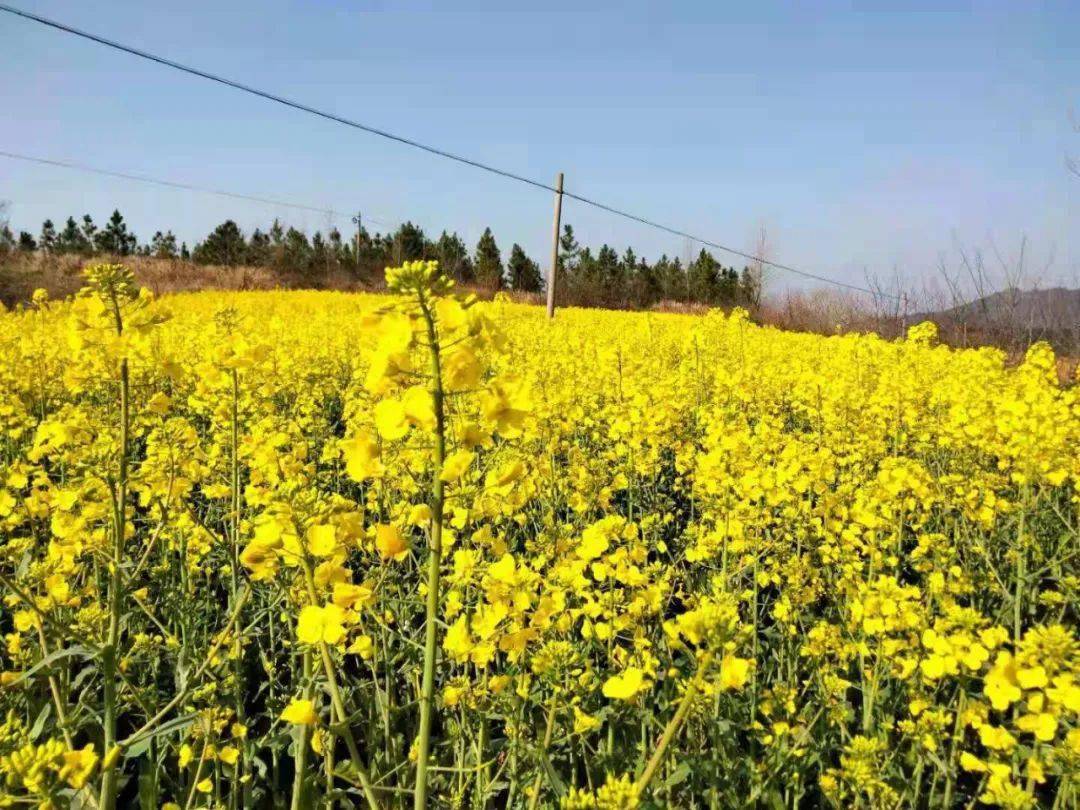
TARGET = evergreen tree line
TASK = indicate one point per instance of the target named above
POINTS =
(78, 238)
(603, 278)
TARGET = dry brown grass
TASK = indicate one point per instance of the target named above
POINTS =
(680, 307)
(20, 275)
(826, 312)
(61, 276)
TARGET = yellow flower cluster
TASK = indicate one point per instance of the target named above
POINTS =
(42, 770)
(421, 549)
(617, 793)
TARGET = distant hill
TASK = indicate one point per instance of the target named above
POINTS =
(1055, 308)
(1015, 315)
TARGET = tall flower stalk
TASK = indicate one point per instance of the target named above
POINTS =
(435, 323)
(113, 284)
(431, 624)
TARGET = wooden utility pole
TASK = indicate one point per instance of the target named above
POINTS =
(356, 221)
(556, 224)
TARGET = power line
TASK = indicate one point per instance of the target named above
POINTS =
(173, 184)
(296, 105)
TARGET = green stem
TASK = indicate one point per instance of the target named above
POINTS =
(483, 773)
(191, 682)
(431, 630)
(673, 726)
(300, 740)
(238, 669)
(339, 705)
(1021, 560)
(549, 729)
(109, 776)
(54, 689)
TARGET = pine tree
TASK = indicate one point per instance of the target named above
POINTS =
(361, 258)
(727, 287)
(488, 263)
(185, 255)
(338, 254)
(703, 278)
(71, 239)
(277, 244)
(568, 249)
(27, 243)
(7, 239)
(410, 244)
(750, 287)
(453, 258)
(583, 269)
(375, 255)
(115, 237)
(277, 233)
(163, 246)
(642, 285)
(320, 254)
(661, 275)
(89, 234)
(47, 239)
(296, 255)
(524, 272)
(605, 272)
(626, 292)
(224, 245)
(257, 252)
(677, 286)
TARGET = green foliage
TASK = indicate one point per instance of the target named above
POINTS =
(7, 240)
(225, 245)
(453, 258)
(115, 239)
(258, 249)
(600, 278)
(524, 272)
(73, 238)
(489, 266)
(47, 239)
(409, 244)
(163, 246)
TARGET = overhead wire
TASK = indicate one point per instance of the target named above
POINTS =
(443, 153)
(141, 178)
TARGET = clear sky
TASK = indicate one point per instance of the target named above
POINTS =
(866, 135)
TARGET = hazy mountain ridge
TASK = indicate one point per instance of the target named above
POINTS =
(1051, 309)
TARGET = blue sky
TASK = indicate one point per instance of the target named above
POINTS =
(863, 136)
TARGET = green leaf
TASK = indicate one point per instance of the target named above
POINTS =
(81, 678)
(260, 767)
(556, 783)
(679, 775)
(148, 792)
(776, 799)
(77, 651)
(139, 747)
(39, 723)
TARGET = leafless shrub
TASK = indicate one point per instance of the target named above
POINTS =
(989, 298)
(822, 311)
